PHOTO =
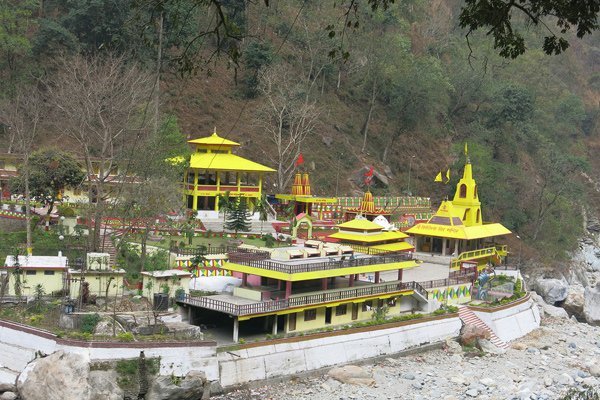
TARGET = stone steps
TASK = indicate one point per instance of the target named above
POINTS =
(469, 317)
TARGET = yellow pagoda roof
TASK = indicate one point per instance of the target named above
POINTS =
(369, 238)
(226, 162)
(360, 224)
(214, 140)
(399, 246)
(447, 223)
(459, 231)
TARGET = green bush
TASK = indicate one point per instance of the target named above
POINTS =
(89, 322)
(66, 211)
(125, 337)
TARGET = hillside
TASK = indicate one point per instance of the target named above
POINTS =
(411, 85)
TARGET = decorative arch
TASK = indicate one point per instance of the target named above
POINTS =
(462, 191)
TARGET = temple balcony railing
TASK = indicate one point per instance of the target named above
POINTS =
(306, 299)
(293, 268)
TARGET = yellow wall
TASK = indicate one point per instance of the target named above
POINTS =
(404, 304)
(50, 283)
(157, 283)
(97, 284)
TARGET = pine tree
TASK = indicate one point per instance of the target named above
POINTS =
(238, 218)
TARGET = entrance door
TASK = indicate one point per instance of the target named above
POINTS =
(328, 315)
(354, 311)
(292, 322)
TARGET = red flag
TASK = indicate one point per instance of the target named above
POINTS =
(369, 176)
(299, 160)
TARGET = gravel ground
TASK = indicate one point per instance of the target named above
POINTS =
(560, 356)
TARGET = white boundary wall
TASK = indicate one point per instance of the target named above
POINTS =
(18, 347)
(276, 360)
(513, 322)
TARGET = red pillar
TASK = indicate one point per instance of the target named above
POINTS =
(288, 289)
(324, 284)
(377, 277)
(278, 284)
(351, 281)
(244, 279)
(400, 274)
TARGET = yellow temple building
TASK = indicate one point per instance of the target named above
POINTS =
(457, 229)
(302, 196)
(215, 170)
(367, 236)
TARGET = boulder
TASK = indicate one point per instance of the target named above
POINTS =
(8, 396)
(452, 346)
(575, 300)
(63, 376)
(591, 306)
(103, 386)
(7, 387)
(555, 312)
(176, 388)
(552, 290)
(470, 333)
(351, 374)
(488, 347)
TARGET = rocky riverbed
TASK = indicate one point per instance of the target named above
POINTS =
(562, 355)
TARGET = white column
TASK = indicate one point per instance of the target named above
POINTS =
(443, 246)
(274, 324)
(236, 329)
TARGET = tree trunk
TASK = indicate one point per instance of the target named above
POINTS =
(28, 206)
(368, 120)
(144, 241)
(158, 65)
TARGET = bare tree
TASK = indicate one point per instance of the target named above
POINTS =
(22, 115)
(101, 105)
(288, 116)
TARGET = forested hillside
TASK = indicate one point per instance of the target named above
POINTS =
(402, 90)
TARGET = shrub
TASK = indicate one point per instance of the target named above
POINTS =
(66, 211)
(89, 322)
(125, 336)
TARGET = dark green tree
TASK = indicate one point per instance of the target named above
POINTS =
(239, 218)
(50, 172)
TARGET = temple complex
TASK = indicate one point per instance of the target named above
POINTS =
(367, 209)
(215, 170)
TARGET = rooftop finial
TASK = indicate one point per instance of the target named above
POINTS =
(467, 153)
(215, 131)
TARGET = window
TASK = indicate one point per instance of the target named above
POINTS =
(30, 272)
(478, 216)
(391, 302)
(366, 306)
(475, 192)
(48, 272)
(310, 315)
(341, 310)
(463, 191)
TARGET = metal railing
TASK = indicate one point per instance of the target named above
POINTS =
(290, 268)
(303, 300)
(474, 254)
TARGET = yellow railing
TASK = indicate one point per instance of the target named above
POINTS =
(498, 250)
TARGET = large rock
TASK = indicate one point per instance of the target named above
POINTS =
(351, 374)
(175, 388)
(575, 300)
(488, 347)
(591, 306)
(552, 290)
(470, 333)
(103, 386)
(60, 376)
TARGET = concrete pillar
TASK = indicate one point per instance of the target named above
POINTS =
(274, 324)
(278, 284)
(244, 279)
(189, 315)
(236, 329)
(324, 284)
(351, 280)
(288, 289)
(377, 277)
(456, 247)
(443, 246)
(400, 271)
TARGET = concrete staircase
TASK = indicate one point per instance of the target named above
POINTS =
(107, 246)
(468, 317)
